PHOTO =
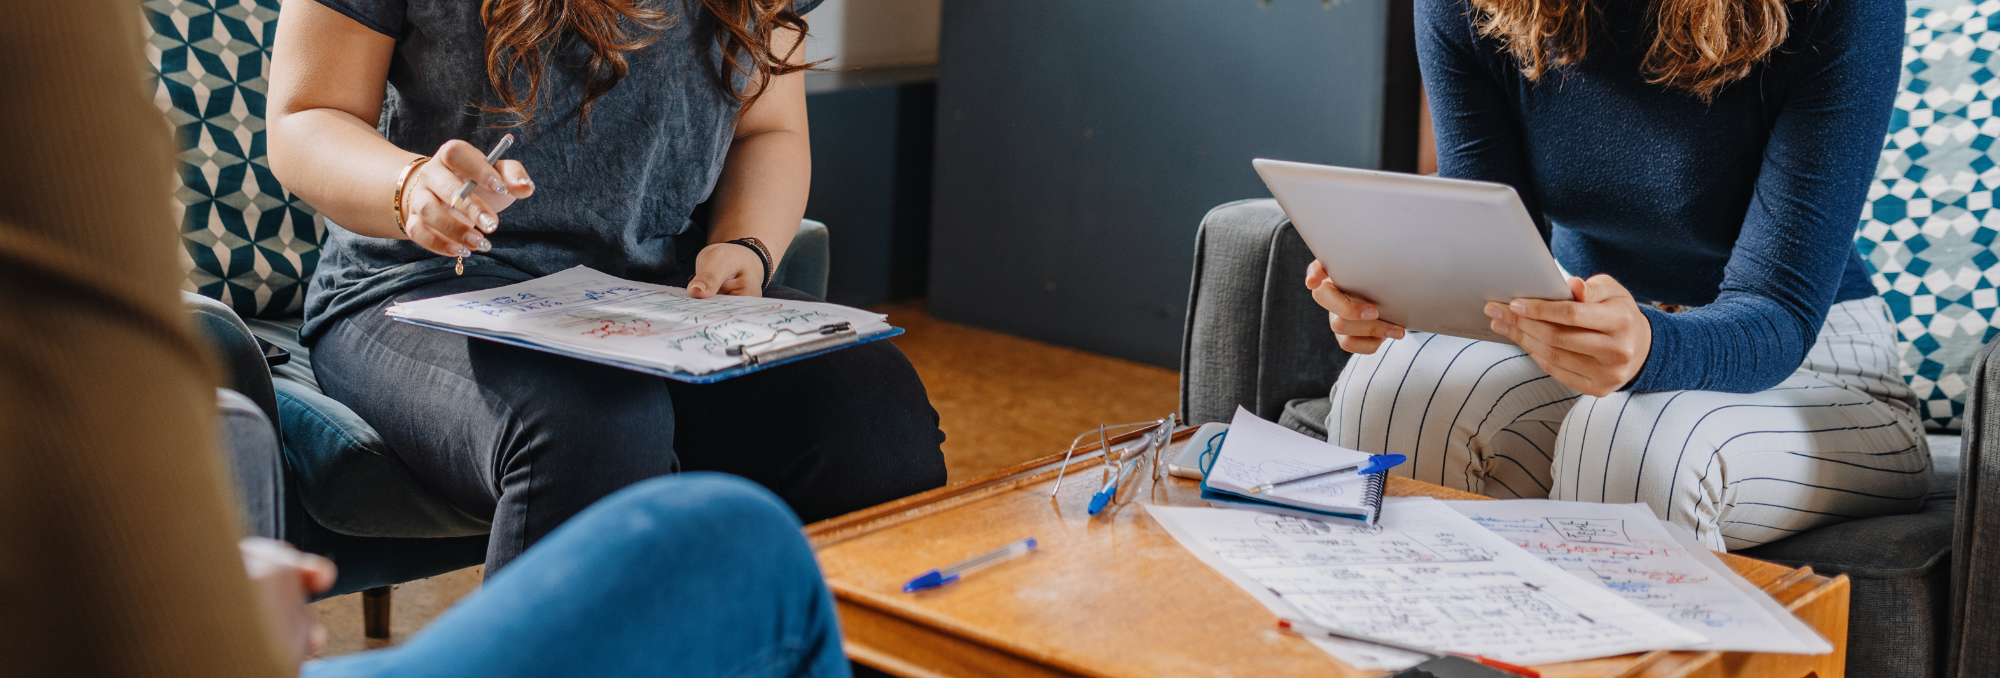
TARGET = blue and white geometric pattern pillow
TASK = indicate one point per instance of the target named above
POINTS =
(1929, 226)
(246, 241)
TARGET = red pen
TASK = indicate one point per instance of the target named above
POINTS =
(1309, 629)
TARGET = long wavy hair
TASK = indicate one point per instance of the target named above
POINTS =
(520, 33)
(1699, 46)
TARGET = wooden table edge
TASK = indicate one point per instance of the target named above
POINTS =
(841, 528)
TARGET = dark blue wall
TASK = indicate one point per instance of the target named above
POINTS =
(872, 149)
(1079, 142)
(853, 188)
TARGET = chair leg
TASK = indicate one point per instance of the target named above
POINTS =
(375, 612)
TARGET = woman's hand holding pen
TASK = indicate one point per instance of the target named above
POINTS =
(1595, 344)
(1354, 320)
(434, 224)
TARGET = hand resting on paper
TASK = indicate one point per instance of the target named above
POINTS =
(1354, 320)
(1595, 344)
(726, 268)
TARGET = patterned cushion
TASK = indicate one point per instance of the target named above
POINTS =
(1930, 222)
(248, 242)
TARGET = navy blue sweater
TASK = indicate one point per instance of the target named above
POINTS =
(1746, 206)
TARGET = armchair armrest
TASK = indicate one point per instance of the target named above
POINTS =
(251, 449)
(232, 344)
(1254, 336)
(804, 267)
(1974, 637)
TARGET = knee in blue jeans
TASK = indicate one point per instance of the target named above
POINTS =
(734, 509)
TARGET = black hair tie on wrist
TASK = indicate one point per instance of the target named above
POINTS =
(763, 256)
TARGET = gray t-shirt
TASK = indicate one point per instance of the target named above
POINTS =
(615, 194)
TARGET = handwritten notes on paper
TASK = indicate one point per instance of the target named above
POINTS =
(1424, 575)
(1626, 550)
(603, 316)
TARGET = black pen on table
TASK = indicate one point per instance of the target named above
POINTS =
(465, 189)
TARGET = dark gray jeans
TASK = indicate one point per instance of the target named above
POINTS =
(531, 438)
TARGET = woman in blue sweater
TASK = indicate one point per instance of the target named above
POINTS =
(1701, 164)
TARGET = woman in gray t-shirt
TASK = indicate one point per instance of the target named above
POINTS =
(626, 117)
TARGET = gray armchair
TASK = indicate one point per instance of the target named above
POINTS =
(1255, 338)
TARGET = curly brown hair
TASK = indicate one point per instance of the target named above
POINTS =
(519, 32)
(1699, 46)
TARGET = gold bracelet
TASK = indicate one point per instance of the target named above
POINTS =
(403, 181)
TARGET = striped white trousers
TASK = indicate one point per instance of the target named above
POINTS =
(1839, 439)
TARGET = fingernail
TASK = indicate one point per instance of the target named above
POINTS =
(459, 250)
(494, 183)
(481, 244)
(1368, 313)
(530, 183)
(1518, 307)
(1396, 332)
(1492, 311)
(1499, 327)
(488, 223)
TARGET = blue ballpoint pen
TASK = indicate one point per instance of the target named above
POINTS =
(950, 573)
(1375, 464)
(1158, 439)
(1104, 496)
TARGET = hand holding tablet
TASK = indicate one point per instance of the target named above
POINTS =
(1456, 257)
(1356, 322)
(1595, 344)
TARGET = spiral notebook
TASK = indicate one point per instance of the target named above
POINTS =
(1258, 452)
(656, 329)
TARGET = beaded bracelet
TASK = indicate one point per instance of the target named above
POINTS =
(763, 255)
(402, 182)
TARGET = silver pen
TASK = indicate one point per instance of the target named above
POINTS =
(465, 189)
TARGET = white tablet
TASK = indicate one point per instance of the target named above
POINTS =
(1428, 251)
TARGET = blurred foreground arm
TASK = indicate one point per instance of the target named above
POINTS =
(119, 553)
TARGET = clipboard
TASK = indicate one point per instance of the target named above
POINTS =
(755, 360)
(647, 327)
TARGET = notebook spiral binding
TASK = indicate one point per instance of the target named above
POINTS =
(1376, 484)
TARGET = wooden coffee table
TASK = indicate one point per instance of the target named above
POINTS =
(1116, 596)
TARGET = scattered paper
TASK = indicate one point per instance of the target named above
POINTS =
(1259, 451)
(1425, 575)
(603, 316)
(1627, 551)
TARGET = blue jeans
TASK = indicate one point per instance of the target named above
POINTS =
(694, 575)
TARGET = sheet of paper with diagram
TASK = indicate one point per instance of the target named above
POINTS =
(1626, 550)
(1424, 575)
(650, 328)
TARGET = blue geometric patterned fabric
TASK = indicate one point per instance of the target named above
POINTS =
(247, 242)
(1929, 226)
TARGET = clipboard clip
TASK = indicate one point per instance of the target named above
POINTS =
(825, 337)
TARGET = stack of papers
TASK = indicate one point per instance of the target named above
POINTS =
(1525, 582)
(656, 329)
(1659, 566)
(1425, 575)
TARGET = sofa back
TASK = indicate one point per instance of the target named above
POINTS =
(245, 241)
(1927, 231)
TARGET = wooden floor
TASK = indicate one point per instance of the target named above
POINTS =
(1001, 400)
